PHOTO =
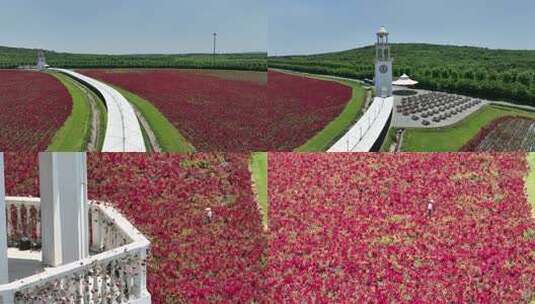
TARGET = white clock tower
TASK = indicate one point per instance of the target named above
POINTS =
(41, 61)
(383, 65)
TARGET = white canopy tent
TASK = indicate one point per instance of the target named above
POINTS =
(405, 81)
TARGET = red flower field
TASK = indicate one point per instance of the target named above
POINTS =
(236, 111)
(354, 228)
(33, 107)
(165, 196)
(302, 107)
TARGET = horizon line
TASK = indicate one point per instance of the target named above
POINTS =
(394, 43)
(133, 54)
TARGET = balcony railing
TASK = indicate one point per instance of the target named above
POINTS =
(115, 272)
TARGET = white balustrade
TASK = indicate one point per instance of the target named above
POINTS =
(114, 273)
(23, 220)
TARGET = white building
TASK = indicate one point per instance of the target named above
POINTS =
(383, 65)
(61, 248)
(41, 61)
(365, 134)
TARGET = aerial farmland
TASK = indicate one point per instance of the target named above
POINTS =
(252, 151)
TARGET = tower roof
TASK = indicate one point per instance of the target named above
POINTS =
(382, 31)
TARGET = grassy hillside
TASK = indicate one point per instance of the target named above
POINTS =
(495, 74)
(14, 57)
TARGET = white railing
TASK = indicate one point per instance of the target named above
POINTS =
(23, 220)
(116, 273)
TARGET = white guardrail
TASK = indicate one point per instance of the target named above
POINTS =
(365, 133)
(116, 273)
(123, 131)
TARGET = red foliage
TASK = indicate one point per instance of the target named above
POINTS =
(302, 107)
(213, 113)
(353, 228)
(33, 107)
(165, 196)
(219, 114)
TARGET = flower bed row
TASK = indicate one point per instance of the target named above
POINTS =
(354, 228)
(194, 259)
(233, 111)
(33, 107)
(509, 133)
(303, 107)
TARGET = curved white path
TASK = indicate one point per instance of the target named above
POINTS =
(365, 133)
(123, 131)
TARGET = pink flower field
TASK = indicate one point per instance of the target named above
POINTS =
(165, 196)
(354, 228)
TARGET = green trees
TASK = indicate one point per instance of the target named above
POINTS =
(15, 57)
(494, 74)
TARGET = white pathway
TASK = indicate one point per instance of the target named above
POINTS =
(123, 131)
(365, 133)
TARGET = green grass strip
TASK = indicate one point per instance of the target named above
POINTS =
(530, 181)
(323, 140)
(168, 137)
(103, 120)
(74, 134)
(453, 138)
(389, 140)
(258, 165)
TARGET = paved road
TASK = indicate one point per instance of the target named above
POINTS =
(364, 134)
(123, 131)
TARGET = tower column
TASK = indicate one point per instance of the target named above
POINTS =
(64, 208)
(4, 273)
(383, 65)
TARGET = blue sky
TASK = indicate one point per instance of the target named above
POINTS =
(315, 26)
(134, 26)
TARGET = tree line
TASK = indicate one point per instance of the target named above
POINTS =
(507, 75)
(11, 58)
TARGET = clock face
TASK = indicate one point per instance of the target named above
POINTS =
(383, 68)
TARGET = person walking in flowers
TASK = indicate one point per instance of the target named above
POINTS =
(430, 207)
(208, 215)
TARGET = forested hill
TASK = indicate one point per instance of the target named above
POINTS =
(488, 73)
(14, 57)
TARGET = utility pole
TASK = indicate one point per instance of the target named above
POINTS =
(213, 55)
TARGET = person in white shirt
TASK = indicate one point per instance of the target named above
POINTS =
(430, 206)
(209, 214)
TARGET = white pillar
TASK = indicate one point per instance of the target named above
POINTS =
(64, 208)
(4, 274)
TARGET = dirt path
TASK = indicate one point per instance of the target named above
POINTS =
(153, 141)
(95, 132)
(399, 141)
(368, 101)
